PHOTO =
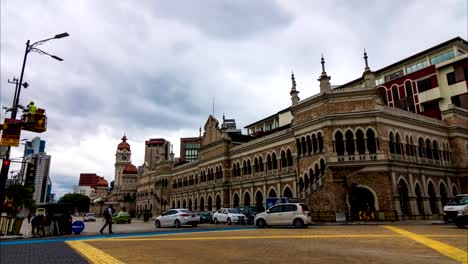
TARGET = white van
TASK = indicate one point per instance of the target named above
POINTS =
(458, 206)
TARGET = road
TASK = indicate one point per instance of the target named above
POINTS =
(244, 244)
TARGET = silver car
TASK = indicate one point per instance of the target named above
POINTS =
(177, 217)
(229, 216)
(296, 214)
(89, 217)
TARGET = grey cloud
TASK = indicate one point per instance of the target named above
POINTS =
(229, 20)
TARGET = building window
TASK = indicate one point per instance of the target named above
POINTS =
(416, 67)
(424, 85)
(379, 81)
(393, 76)
(443, 57)
(451, 78)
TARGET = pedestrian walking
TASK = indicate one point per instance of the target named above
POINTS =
(108, 212)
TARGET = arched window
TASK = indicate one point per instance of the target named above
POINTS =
(443, 194)
(195, 204)
(314, 144)
(244, 168)
(320, 142)
(269, 164)
(391, 143)
(322, 167)
(371, 145)
(360, 143)
(249, 167)
(398, 144)
(421, 148)
(317, 172)
(272, 193)
(284, 163)
(275, 161)
(339, 144)
(289, 158)
(260, 162)
(350, 142)
(298, 146)
(246, 199)
(257, 168)
(303, 145)
(236, 200)
(435, 146)
(306, 181)
(428, 149)
(184, 204)
(404, 197)
(287, 193)
(301, 184)
(432, 198)
(238, 169)
(309, 145)
(202, 204)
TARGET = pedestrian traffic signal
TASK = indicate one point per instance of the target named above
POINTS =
(6, 162)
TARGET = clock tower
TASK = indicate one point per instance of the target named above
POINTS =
(122, 157)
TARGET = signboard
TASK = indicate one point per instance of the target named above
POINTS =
(11, 132)
(77, 227)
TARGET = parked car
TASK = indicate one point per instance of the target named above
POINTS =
(121, 217)
(205, 217)
(296, 214)
(89, 217)
(461, 221)
(177, 217)
(458, 206)
(250, 212)
(229, 216)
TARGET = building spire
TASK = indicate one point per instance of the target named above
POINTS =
(293, 80)
(322, 61)
(199, 135)
(365, 59)
(294, 93)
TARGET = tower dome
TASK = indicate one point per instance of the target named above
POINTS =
(102, 183)
(124, 145)
(130, 169)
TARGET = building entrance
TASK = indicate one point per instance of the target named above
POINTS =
(362, 203)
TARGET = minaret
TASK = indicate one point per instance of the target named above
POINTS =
(368, 75)
(172, 153)
(324, 79)
(294, 93)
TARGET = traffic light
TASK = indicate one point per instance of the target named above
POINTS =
(4, 176)
(6, 162)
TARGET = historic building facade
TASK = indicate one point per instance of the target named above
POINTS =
(360, 147)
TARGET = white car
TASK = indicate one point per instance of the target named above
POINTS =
(458, 206)
(89, 217)
(178, 218)
(229, 216)
(296, 214)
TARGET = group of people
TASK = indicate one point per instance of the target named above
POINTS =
(38, 224)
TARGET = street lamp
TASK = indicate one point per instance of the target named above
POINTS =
(14, 109)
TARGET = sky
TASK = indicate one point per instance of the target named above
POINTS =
(154, 69)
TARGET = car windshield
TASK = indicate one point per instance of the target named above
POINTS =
(185, 211)
(459, 200)
(234, 210)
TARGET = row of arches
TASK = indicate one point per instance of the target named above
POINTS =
(209, 174)
(310, 144)
(286, 160)
(352, 142)
(437, 197)
(426, 149)
(313, 174)
(208, 205)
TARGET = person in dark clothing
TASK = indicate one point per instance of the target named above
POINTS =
(108, 212)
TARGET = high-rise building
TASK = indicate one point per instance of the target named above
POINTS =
(36, 145)
(156, 150)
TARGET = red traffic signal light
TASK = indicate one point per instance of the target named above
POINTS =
(6, 162)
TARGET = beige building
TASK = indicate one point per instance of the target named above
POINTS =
(377, 148)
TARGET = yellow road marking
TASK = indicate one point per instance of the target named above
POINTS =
(92, 254)
(447, 250)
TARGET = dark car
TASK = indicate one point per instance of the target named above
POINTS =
(250, 212)
(205, 217)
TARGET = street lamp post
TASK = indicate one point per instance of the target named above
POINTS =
(14, 109)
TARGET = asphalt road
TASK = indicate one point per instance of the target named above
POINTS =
(239, 244)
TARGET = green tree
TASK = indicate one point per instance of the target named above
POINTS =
(80, 202)
(19, 196)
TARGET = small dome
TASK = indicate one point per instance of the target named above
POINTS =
(124, 145)
(102, 183)
(130, 169)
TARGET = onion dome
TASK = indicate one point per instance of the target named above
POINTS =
(124, 145)
(102, 183)
(130, 169)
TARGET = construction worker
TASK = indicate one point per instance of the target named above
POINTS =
(29, 111)
(31, 108)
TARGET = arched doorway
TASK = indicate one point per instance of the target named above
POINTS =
(402, 188)
(432, 198)
(246, 199)
(454, 191)
(190, 205)
(272, 193)
(236, 200)
(178, 203)
(202, 204)
(195, 204)
(259, 201)
(210, 204)
(362, 202)
(173, 204)
(287, 193)
(184, 204)
(443, 194)
(218, 202)
(419, 199)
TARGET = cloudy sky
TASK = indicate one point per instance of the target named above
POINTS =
(153, 68)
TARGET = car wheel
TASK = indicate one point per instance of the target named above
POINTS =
(229, 221)
(177, 224)
(158, 224)
(216, 221)
(261, 223)
(298, 223)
